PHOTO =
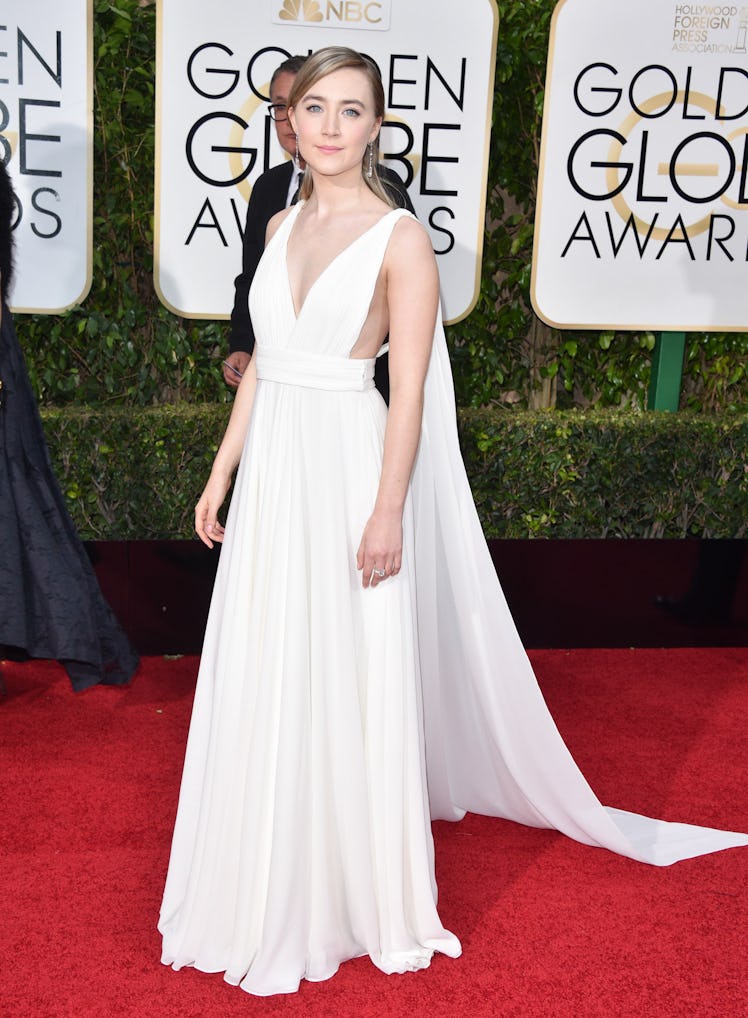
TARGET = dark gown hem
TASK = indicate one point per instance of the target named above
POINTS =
(51, 605)
(82, 674)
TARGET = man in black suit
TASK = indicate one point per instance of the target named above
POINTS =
(275, 190)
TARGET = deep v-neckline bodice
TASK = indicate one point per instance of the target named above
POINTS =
(336, 305)
(327, 269)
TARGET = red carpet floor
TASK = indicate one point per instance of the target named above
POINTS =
(549, 927)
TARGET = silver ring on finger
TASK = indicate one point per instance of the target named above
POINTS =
(381, 573)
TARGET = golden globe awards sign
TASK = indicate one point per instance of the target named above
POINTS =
(643, 198)
(46, 109)
(214, 136)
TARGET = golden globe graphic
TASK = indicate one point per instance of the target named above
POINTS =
(214, 135)
(643, 193)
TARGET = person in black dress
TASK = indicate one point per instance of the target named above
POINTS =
(50, 602)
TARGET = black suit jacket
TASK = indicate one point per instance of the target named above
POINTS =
(268, 197)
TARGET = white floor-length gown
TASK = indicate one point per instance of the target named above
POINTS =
(331, 723)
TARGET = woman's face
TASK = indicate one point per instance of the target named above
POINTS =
(335, 121)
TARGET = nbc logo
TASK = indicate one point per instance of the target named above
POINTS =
(371, 14)
(300, 10)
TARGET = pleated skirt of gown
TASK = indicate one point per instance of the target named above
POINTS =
(303, 836)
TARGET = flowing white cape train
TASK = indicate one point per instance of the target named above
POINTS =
(491, 744)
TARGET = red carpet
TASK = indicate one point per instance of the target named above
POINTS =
(549, 927)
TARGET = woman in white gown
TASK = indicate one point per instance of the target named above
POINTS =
(361, 673)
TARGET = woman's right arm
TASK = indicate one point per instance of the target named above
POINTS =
(207, 527)
(227, 458)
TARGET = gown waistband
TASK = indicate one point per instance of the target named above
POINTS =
(315, 371)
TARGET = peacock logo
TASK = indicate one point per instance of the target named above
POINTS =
(300, 10)
(371, 15)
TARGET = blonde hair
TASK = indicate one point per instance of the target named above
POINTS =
(319, 65)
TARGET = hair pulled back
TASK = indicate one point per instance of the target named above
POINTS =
(319, 65)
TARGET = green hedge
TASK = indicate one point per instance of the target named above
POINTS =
(608, 473)
(135, 474)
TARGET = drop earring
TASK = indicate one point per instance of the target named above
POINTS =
(370, 169)
(296, 156)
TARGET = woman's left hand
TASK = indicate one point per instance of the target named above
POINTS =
(380, 553)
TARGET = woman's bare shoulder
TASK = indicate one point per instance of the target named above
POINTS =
(410, 238)
(410, 246)
(275, 221)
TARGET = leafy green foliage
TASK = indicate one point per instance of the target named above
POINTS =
(607, 473)
(93, 449)
(123, 347)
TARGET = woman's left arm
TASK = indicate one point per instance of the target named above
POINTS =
(412, 282)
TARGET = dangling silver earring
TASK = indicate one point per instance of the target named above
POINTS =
(296, 156)
(370, 170)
